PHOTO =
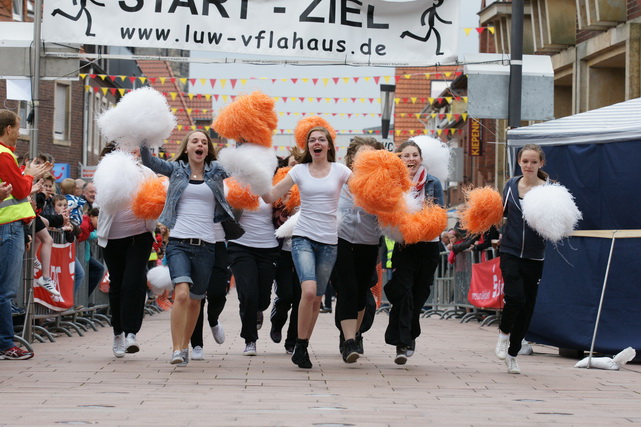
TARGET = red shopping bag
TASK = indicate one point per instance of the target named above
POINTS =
(104, 283)
(486, 285)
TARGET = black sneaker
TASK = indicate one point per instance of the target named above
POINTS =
(259, 320)
(301, 357)
(411, 348)
(401, 355)
(289, 349)
(276, 335)
(341, 344)
(350, 355)
(359, 344)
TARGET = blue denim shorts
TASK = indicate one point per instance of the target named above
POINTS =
(190, 263)
(313, 261)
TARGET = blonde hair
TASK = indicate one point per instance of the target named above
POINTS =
(68, 186)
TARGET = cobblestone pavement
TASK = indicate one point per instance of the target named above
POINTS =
(453, 379)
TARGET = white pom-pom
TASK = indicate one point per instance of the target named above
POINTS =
(550, 210)
(393, 233)
(159, 280)
(287, 229)
(436, 156)
(250, 164)
(625, 356)
(142, 116)
(117, 179)
(412, 203)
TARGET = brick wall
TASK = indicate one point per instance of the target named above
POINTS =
(417, 86)
(71, 154)
(5, 10)
(634, 9)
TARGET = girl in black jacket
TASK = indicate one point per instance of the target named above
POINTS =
(522, 251)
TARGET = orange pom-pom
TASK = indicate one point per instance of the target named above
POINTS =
(280, 174)
(379, 182)
(483, 208)
(292, 199)
(305, 125)
(250, 118)
(240, 197)
(424, 225)
(150, 198)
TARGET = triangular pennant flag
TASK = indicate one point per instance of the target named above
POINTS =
(121, 92)
(142, 79)
(314, 81)
(467, 31)
(491, 29)
(243, 82)
(162, 80)
(173, 95)
(216, 96)
(479, 29)
(346, 79)
(202, 81)
(223, 82)
(104, 90)
(192, 81)
(82, 76)
(172, 79)
(464, 116)
(336, 79)
(294, 80)
(397, 78)
(407, 76)
(355, 79)
(233, 83)
(152, 80)
(413, 100)
(325, 81)
(113, 91)
(212, 82)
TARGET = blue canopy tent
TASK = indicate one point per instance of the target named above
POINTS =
(590, 293)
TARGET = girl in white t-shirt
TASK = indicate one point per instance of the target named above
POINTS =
(315, 237)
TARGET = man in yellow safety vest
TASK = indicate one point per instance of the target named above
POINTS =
(15, 211)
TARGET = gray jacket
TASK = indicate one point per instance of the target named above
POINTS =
(179, 173)
(354, 224)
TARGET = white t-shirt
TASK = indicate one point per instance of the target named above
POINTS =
(194, 213)
(258, 226)
(319, 202)
(126, 224)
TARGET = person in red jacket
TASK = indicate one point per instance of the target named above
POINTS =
(15, 211)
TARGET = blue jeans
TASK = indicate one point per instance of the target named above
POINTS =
(78, 275)
(313, 261)
(190, 264)
(11, 253)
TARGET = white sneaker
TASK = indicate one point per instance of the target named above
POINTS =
(250, 349)
(526, 348)
(48, 284)
(37, 265)
(501, 348)
(512, 366)
(177, 357)
(197, 353)
(131, 344)
(219, 333)
(185, 355)
(119, 345)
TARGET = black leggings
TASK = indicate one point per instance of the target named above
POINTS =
(521, 283)
(409, 289)
(216, 294)
(127, 263)
(287, 297)
(254, 271)
(355, 267)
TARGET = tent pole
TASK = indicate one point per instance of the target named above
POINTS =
(598, 314)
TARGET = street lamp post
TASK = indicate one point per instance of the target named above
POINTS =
(387, 104)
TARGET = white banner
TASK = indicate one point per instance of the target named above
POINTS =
(360, 32)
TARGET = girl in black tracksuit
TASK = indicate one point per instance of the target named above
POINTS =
(522, 251)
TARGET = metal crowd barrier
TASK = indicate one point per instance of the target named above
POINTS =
(448, 296)
(42, 324)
